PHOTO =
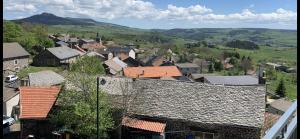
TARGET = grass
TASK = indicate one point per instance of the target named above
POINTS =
(291, 87)
(31, 69)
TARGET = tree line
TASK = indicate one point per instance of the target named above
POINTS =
(33, 37)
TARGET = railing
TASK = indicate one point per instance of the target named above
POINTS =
(284, 128)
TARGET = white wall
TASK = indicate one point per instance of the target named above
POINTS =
(10, 104)
(132, 54)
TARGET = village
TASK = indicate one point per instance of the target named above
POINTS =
(161, 96)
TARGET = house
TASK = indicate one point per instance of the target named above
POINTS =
(152, 72)
(121, 52)
(92, 46)
(114, 66)
(10, 102)
(231, 80)
(60, 43)
(202, 63)
(188, 68)
(56, 56)
(85, 41)
(15, 58)
(279, 106)
(177, 109)
(199, 77)
(43, 78)
(92, 53)
(106, 54)
(272, 65)
(35, 105)
(291, 70)
(132, 62)
(72, 42)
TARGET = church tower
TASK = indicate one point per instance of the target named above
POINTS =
(98, 38)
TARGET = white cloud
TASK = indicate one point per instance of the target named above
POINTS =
(21, 8)
(139, 9)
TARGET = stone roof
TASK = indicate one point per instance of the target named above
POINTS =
(115, 65)
(118, 49)
(12, 50)
(45, 78)
(63, 52)
(194, 102)
(232, 80)
(281, 104)
(62, 43)
(187, 65)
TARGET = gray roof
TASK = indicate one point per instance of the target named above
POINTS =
(281, 104)
(192, 101)
(232, 80)
(200, 75)
(63, 52)
(187, 65)
(62, 43)
(12, 50)
(9, 93)
(115, 65)
(45, 78)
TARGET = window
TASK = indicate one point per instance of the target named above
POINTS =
(16, 61)
(204, 135)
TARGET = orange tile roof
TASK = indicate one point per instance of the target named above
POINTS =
(144, 125)
(152, 72)
(36, 102)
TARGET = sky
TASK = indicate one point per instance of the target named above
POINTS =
(166, 14)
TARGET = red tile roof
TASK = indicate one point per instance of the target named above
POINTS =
(152, 72)
(144, 125)
(36, 102)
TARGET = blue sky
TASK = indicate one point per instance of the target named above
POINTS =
(166, 14)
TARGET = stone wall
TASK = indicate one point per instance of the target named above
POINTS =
(177, 129)
(9, 65)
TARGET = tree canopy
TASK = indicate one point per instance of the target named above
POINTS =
(88, 65)
(30, 36)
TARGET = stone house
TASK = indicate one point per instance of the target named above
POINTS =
(121, 52)
(188, 68)
(56, 56)
(177, 109)
(231, 80)
(114, 66)
(10, 101)
(33, 117)
(15, 58)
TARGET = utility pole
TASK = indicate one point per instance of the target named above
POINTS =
(97, 108)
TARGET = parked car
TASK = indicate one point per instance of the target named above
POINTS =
(11, 78)
(9, 120)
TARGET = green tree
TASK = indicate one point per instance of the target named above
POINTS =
(11, 31)
(246, 64)
(210, 68)
(280, 91)
(218, 65)
(88, 65)
(77, 108)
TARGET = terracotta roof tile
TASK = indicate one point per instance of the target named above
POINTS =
(36, 102)
(144, 125)
(152, 72)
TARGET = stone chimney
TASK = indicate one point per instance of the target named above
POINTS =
(261, 76)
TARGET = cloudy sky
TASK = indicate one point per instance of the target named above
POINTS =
(166, 14)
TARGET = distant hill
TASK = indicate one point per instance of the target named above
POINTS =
(51, 19)
(261, 36)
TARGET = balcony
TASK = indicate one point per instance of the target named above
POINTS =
(286, 126)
